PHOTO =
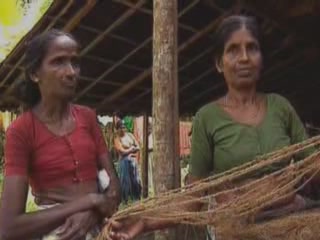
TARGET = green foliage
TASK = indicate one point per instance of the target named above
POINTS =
(31, 206)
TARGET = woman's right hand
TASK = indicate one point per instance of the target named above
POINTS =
(78, 225)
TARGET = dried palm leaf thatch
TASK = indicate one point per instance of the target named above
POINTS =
(236, 217)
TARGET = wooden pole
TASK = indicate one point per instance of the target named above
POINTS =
(145, 157)
(165, 100)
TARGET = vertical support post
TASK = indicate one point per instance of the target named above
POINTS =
(165, 124)
(145, 157)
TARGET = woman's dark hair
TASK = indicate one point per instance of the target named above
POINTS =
(120, 124)
(36, 50)
(228, 26)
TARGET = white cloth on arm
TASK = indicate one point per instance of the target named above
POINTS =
(104, 179)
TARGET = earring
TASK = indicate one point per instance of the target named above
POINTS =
(36, 80)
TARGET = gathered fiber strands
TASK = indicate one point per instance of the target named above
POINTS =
(236, 218)
(299, 226)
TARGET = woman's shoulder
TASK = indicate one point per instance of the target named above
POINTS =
(83, 109)
(22, 123)
(22, 129)
(84, 113)
(278, 101)
(276, 97)
(209, 109)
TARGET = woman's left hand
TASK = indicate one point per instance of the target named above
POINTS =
(78, 225)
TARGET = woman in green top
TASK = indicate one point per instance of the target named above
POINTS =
(242, 124)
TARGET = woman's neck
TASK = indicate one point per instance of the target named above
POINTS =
(53, 111)
(241, 97)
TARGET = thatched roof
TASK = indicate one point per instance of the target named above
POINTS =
(116, 36)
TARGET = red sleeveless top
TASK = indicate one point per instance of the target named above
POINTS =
(48, 160)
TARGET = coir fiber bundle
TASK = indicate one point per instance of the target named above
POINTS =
(236, 218)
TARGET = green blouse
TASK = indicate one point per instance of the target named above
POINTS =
(219, 143)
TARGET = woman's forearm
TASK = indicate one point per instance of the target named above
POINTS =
(113, 190)
(152, 225)
(36, 224)
(112, 196)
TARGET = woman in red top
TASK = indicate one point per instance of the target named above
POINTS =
(57, 148)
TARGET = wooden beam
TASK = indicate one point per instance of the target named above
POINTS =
(184, 66)
(97, 31)
(107, 82)
(196, 58)
(146, 92)
(135, 99)
(193, 81)
(111, 62)
(13, 66)
(199, 95)
(269, 74)
(73, 22)
(165, 127)
(114, 25)
(112, 68)
(123, 90)
(18, 63)
(125, 58)
(68, 27)
(79, 15)
(130, 4)
(150, 12)
(140, 78)
(95, 96)
(213, 5)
